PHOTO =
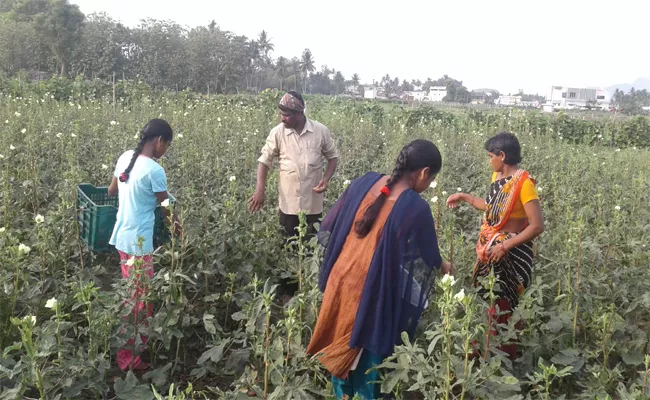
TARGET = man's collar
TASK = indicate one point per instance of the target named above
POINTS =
(309, 127)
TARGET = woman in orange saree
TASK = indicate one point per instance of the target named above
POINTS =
(381, 252)
(512, 220)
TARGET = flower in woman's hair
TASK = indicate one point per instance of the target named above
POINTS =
(165, 203)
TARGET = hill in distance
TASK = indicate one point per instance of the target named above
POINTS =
(638, 84)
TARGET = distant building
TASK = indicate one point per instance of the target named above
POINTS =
(532, 104)
(416, 95)
(436, 93)
(510, 101)
(370, 92)
(373, 92)
(482, 96)
(569, 98)
(548, 108)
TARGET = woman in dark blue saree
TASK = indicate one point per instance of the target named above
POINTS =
(377, 272)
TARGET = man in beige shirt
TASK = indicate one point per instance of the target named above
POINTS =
(300, 145)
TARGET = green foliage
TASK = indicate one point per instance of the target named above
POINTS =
(632, 102)
(222, 325)
(57, 22)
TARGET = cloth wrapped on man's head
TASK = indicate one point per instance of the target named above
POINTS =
(290, 102)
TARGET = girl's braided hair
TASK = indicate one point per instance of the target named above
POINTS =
(414, 156)
(154, 128)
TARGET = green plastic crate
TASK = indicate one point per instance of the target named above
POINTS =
(97, 213)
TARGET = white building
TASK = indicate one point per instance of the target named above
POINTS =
(508, 101)
(547, 108)
(568, 98)
(436, 93)
(531, 104)
(370, 92)
(417, 95)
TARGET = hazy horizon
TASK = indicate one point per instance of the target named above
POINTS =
(508, 46)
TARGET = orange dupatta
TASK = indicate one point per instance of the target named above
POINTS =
(500, 201)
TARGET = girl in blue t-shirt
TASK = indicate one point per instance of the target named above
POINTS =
(141, 184)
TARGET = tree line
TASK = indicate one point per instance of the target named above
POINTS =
(634, 102)
(53, 37)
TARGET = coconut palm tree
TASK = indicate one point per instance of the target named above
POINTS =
(253, 56)
(356, 83)
(282, 69)
(264, 44)
(306, 67)
(296, 67)
(339, 82)
(356, 80)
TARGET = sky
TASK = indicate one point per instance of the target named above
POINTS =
(499, 44)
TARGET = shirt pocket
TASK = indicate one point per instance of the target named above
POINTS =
(314, 155)
(287, 166)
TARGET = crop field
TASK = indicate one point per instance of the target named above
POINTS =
(222, 329)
